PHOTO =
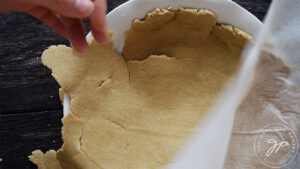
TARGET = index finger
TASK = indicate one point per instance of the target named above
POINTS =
(97, 21)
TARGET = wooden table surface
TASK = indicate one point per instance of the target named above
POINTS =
(30, 110)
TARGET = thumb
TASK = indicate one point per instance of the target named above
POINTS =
(68, 8)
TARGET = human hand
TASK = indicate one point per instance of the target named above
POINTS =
(65, 17)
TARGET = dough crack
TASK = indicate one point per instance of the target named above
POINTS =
(103, 82)
(117, 123)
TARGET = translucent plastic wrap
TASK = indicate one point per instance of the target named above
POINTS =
(263, 100)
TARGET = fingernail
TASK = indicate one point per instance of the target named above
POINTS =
(84, 7)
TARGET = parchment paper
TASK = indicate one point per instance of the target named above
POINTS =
(267, 121)
(274, 99)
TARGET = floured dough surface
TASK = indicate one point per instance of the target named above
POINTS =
(137, 110)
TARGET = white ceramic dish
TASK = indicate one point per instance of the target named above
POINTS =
(120, 20)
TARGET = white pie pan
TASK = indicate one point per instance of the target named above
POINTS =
(120, 20)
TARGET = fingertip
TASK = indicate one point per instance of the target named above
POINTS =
(101, 36)
(76, 34)
(98, 16)
(104, 35)
(83, 49)
(80, 46)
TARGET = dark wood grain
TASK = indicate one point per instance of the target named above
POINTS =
(25, 84)
(23, 133)
(30, 110)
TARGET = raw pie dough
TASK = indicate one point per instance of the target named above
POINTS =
(136, 110)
